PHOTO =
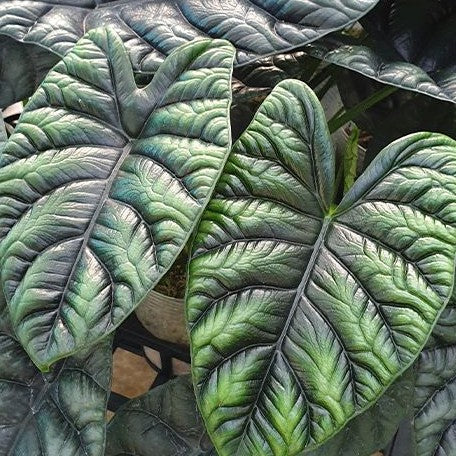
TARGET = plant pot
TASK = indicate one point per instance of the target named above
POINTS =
(164, 317)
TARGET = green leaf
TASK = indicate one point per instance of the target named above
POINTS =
(374, 429)
(60, 413)
(435, 406)
(412, 46)
(302, 314)
(268, 72)
(151, 29)
(102, 184)
(351, 159)
(163, 422)
(166, 421)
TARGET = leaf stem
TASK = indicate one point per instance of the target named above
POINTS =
(339, 121)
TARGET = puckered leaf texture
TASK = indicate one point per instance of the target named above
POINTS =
(435, 402)
(151, 29)
(101, 185)
(302, 314)
(412, 45)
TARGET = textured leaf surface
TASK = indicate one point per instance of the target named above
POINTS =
(101, 185)
(163, 422)
(374, 429)
(59, 413)
(269, 71)
(151, 29)
(301, 314)
(444, 332)
(435, 403)
(412, 46)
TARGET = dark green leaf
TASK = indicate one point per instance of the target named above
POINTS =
(270, 71)
(302, 314)
(374, 429)
(60, 413)
(151, 29)
(22, 68)
(412, 46)
(163, 422)
(435, 404)
(102, 184)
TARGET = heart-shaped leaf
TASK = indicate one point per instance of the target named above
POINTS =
(412, 46)
(163, 422)
(101, 185)
(301, 313)
(435, 392)
(59, 413)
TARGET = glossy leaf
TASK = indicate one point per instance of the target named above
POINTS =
(59, 413)
(164, 422)
(302, 314)
(374, 429)
(101, 185)
(412, 46)
(435, 403)
(269, 71)
(151, 29)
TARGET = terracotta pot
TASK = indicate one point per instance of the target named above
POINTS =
(164, 317)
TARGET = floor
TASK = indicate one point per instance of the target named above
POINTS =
(132, 375)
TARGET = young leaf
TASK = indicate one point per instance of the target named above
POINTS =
(435, 392)
(102, 184)
(351, 159)
(163, 422)
(302, 314)
(60, 413)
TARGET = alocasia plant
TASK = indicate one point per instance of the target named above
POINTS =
(302, 313)
(151, 29)
(101, 185)
(411, 45)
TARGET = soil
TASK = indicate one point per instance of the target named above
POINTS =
(173, 282)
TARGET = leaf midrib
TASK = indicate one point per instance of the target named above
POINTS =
(278, 345)
(86, 238)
